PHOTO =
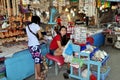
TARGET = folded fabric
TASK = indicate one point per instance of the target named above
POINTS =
(68, 48)
(77, 61)
(76, 48)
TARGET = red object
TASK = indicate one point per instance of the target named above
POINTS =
(90, 40)
(117, 18)
(93, 77)
(2, 58)
(53, 44)
(58, 59)
(59, 21)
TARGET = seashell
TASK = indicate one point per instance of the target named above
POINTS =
(101, 55)
(96, 54)
(1, 35)
(104, 53)
(10, 33)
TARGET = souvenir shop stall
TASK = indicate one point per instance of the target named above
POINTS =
(76, 15)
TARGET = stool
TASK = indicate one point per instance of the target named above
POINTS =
(59, 61)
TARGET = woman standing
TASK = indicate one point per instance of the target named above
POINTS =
(33, 44)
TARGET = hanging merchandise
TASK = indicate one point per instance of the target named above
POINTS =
(106, 4)
(103, 4)
(74, 0)
(25, 2)
(99, 3)
(55, 3)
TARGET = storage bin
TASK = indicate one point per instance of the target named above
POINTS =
(103, 75)
(83, 47)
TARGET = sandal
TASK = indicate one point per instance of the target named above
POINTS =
(43, 75)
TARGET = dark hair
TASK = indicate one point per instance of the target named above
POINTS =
(63, 38)
(35, 19)
(61, 28)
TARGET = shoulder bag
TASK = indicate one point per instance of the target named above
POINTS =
(33, 32)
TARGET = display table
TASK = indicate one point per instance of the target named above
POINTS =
(20, 65)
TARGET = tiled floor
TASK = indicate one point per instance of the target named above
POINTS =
(113, 63)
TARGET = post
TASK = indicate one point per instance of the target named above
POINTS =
(8, 8)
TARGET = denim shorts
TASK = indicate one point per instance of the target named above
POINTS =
(52, 52)
(36, 53)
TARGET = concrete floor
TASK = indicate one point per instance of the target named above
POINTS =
(113, 63)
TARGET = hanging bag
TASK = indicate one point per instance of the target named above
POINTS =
(33, 32)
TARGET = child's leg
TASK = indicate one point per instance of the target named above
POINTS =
(37, 71)
(36, 55)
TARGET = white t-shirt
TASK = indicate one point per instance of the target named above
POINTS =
(32, 39)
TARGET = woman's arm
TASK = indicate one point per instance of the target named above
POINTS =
(59, 45)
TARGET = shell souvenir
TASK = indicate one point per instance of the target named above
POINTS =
(99, 55)
(10, 33)
(14, 33)
(6, 34)
(105, 54)
(1, 35)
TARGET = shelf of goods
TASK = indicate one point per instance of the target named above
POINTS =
(89, 62)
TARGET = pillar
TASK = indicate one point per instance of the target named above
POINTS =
(8, 8)
(14, 7)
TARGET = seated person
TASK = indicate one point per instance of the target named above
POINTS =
(58, 42)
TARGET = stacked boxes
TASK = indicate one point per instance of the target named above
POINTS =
(80, 34)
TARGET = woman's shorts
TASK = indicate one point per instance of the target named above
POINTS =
(52, 52)
(36, 53)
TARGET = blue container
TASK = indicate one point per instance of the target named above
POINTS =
(102, 75)
(92, 53)
(82, 48)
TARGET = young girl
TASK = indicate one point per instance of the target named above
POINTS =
(34, 45)
(58, 42)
